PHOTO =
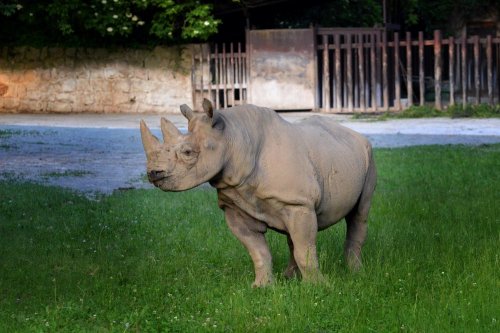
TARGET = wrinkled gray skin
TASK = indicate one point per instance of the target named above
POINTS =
(295, 179)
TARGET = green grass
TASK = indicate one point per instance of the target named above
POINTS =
(148, 261)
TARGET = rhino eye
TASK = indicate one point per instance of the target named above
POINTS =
(188, 152)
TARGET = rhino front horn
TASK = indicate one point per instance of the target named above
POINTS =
(149, 141)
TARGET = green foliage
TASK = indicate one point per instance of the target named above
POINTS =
(8, 9)
(474, 111)
(427, 111)
(432, 14)
(198, 22)
(456, 111)
(340, 13)
(419, 112)
(149, 261)
(116, 21)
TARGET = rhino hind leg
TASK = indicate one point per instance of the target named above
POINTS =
(292, 269)
(356, 221)
(303, 228)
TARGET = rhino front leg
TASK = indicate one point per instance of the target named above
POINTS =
(250, 233)
(292, 269)
(303, 229)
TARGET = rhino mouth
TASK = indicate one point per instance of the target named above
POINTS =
(157, 182)
(157, 177)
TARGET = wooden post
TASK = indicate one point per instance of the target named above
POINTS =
(240, 75)
(355, 76)
(451, 56)
(338, 82)
(232, 72)
(458, 66)
(237, 69)
(326, 75)
(193, 75)
(201, 72)
(209, 75)
(361, 66)
(490, 69)
(409, 75)
(397, 81)
(437, 68)
(421, 72)
(477, 82)
(224, 75)
(464, 67)
(373, 74)
(217, 76)
(385, 84)
(350, 103)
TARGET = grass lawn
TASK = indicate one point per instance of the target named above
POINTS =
(149, 261)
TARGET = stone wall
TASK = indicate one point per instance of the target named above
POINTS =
(94, 80)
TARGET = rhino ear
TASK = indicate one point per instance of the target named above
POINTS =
(187, 112)
(170, 132)
(218, 122)
(149, 141)
(208, 108)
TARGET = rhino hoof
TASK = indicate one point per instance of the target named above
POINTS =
(259, 283)
(292, 272)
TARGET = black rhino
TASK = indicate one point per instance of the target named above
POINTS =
(296, 179)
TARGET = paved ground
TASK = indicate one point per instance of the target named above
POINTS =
(102, 153)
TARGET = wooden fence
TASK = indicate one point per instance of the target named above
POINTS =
(362, 70)
(219, 73)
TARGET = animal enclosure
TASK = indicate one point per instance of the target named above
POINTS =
(365, 70)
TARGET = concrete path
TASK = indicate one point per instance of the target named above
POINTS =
(102, 152)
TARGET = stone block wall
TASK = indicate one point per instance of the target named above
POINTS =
(95, 80)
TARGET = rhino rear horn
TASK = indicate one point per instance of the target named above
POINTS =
(186, 111)
(208, 108)
(169, 131)
(149, 141)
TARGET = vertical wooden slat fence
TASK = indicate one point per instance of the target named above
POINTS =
(349, 77)
(409, 70)
(219, 73)
(369, 71)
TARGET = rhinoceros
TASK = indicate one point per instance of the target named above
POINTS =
(295, 179)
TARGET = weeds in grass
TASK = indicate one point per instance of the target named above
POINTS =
(66, 173)
(427, 111)
(150, 261)
(9, 133)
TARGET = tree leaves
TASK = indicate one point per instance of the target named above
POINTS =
(162, 20)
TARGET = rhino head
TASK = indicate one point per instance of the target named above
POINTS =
(184, 161)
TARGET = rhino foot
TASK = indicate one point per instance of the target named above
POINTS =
(292, 272)
(315, 278)
(352, 253)
(262, 281)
